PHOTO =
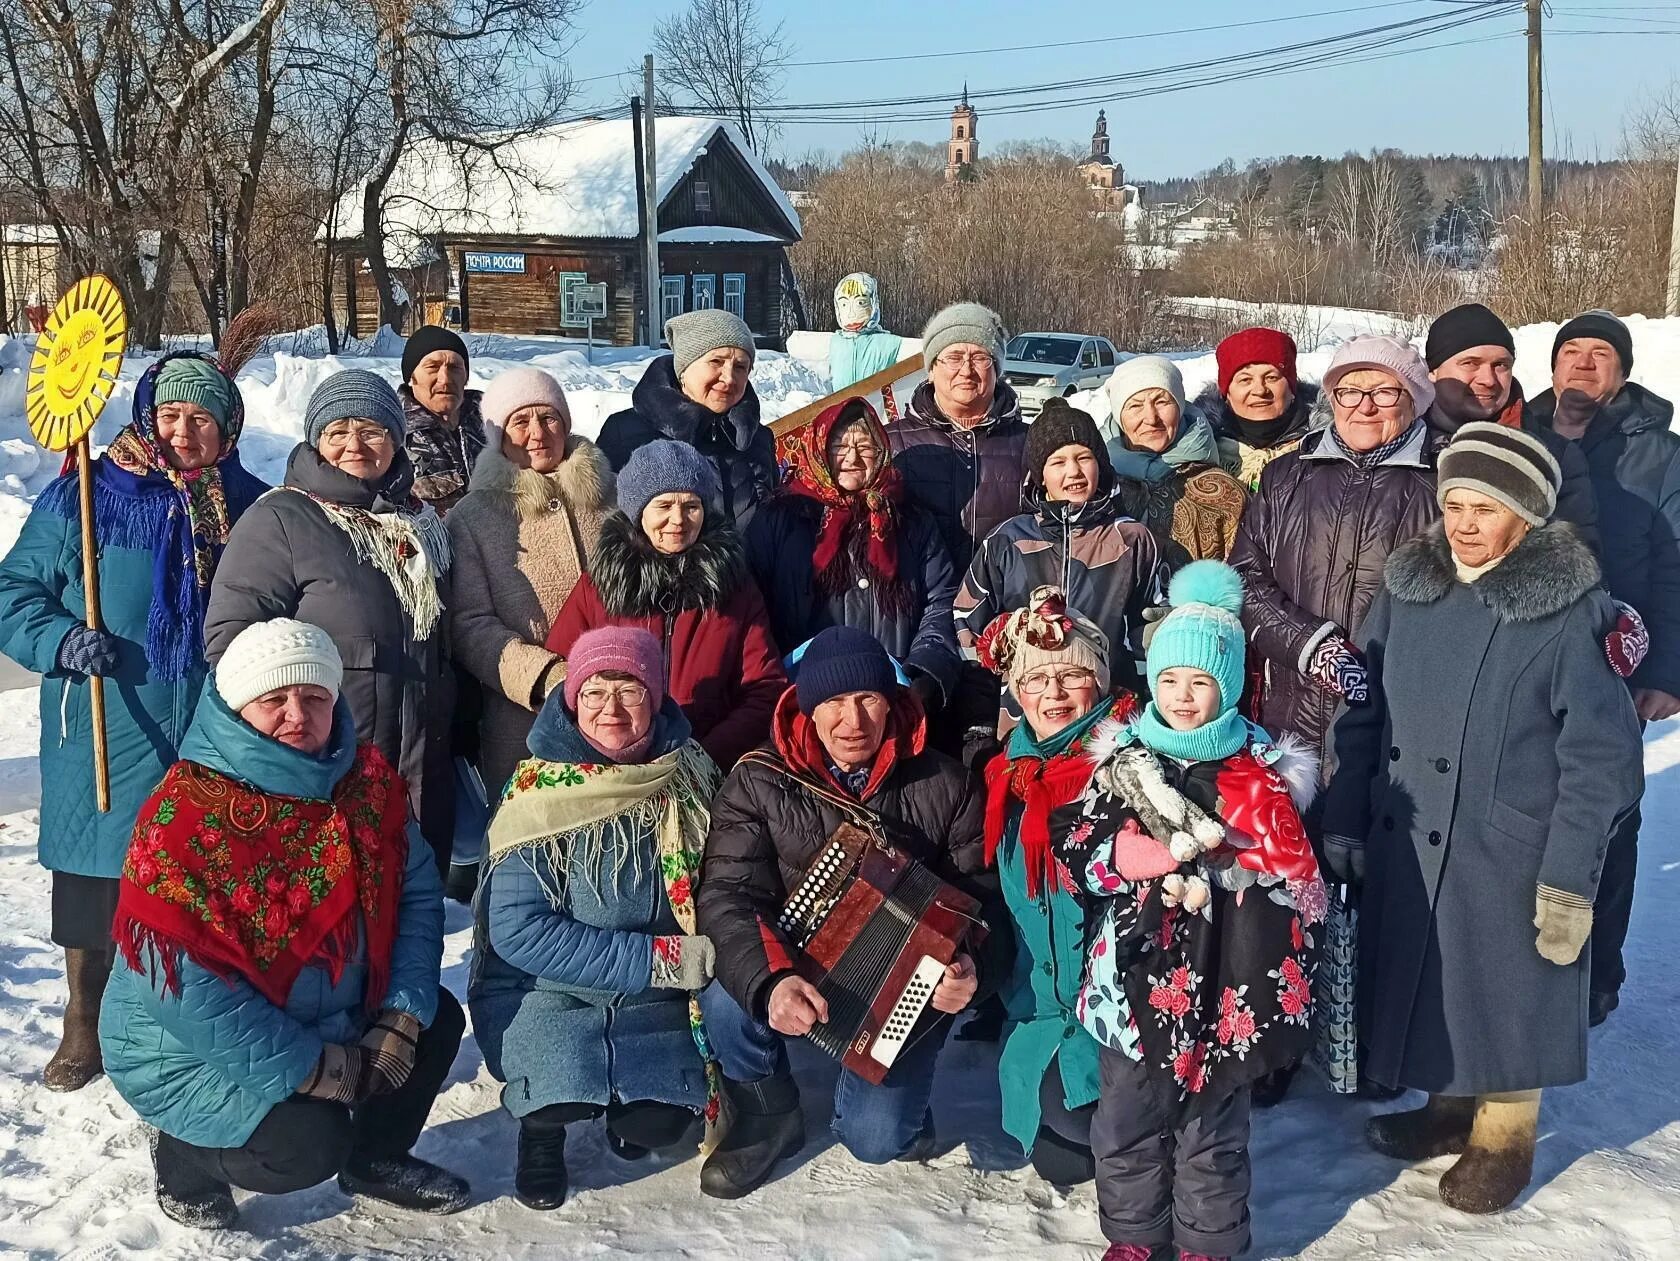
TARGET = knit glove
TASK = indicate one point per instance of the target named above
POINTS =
(1344, 858)
(389, 1046)
(1336, 667)
(682, 963)
(980, 746)
(87, 651)
(338, 1074)
(1628, 641)
(1565, 922)
(1152, 619)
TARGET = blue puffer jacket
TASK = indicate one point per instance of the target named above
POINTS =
(207, 1064)
(562, 1005)
(42, 597)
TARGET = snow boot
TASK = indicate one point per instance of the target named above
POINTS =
(1440, 1128)
(1600, 1003)
(187, 1194)
(539, 1177)
(406, 1181)
(765, 1126)
(1128, 1252)
(1061, 1162)
(985, 1023)
(1270, 1089)
(77, 1060)
(1499, 1160)
(461, 882)
(924, 1146)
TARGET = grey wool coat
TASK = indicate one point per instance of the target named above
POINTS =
(1498, 754)
(521, 542)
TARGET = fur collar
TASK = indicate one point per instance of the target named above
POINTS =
(1544, 574)
(635, 580)
(1294, 759)
(584, 481)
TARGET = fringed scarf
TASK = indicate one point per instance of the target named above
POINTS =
(857, 528)
(410, 546)
(257, 886)
(596, 810)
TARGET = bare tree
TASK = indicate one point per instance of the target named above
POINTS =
(722, 57)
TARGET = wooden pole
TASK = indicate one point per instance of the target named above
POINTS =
(90, 580)
(650, 192)
(890, 375)
(1536, 132)
(1673, 305)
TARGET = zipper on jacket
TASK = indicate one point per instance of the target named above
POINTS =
(670, 626)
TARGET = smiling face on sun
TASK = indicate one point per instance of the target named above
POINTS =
(76, 363)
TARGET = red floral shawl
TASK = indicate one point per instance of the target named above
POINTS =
(258, 886)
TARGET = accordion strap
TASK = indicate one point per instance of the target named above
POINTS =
(853, 810)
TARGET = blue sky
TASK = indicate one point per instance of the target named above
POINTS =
(1464, 99)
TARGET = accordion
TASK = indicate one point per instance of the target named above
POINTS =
(874, 930)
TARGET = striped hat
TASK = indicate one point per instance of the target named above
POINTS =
(1504, 464)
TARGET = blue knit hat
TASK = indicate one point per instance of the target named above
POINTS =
(664, 467)
(354, 394)
(843, 659)
(1204, 631)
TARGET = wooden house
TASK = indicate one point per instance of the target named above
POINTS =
(497, 246)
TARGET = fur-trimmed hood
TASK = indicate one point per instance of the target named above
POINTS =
(585, 481)
(1543, 575)
(1294, 759)
(634, 579)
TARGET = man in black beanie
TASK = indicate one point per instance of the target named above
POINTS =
(445, 430)
(1634, 461)
(1471, 354)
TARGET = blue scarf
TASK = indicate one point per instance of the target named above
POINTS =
(1211, 742)
(1195, 444)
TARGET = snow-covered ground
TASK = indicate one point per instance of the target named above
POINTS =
(75, 1179)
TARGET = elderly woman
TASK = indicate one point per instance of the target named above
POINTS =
(1167, 450)
(1261, 410)
(669, 563)
(1473, 798)
(587, 959)
(164, 496)
(701, 394)
(345, 545)
(840, 545)
(522, 536)
(445, 430)
(277, 1016)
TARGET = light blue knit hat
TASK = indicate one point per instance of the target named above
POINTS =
(354, 394)
(1204, 631)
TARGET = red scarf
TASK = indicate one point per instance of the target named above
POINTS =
(1041, 786)
(873, 510)
(796, 739)
(258, 886)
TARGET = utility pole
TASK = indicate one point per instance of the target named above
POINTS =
(650, 191)
(1536, 135)
(1673, 305)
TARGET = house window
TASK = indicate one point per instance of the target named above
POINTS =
(705, 293)
(670, 297)
(702, 195)
(735, 294)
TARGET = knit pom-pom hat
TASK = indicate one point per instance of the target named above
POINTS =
(1204, 631)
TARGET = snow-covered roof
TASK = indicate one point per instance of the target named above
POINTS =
(575, 180)
(706, 234)
(29, 234)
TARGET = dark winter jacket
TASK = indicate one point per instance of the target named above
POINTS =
(742, 450)
(766, 831)
(1245, 449)
(1499, 752)
(286, 558)
(1311, 550)
(780, 542)
(442, 455)
(721, 661)
(1634, 462)
(969, 479)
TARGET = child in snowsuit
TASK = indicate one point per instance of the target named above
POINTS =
(1203, 893)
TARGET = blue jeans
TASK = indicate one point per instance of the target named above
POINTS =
(876, 1124)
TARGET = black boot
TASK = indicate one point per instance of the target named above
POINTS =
(1270, 1089)
(1440, 1128)
(766, 1126)
(187, 1194)
(406, 1181)
(1060, 1161)
(461, 882)
(77, 1060)
(1600, 1003)
(539, 1180)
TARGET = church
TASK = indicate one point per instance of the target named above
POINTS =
(1103, 175)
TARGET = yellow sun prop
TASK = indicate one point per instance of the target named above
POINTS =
(76, 363)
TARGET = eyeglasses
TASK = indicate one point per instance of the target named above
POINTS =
(856, 450)
(1038, 683)
(628, 695)
(952, 361)
(366, 435)
(1351, 396)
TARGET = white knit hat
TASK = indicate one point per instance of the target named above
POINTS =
(279, 653)
(1144, 372)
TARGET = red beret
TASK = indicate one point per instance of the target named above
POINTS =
(1256, 345)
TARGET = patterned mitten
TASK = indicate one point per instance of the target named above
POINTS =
(390, 1046)
(338, 1075)
(1628, 641)
(682, 963)
(1335, 666)
(86, 651)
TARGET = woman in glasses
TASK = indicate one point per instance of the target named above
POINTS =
(347, 546)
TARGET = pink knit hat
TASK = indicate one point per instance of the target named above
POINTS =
(628, 649)
(1391, 354)
(521, 387)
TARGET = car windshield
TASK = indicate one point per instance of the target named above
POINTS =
(1056, 350)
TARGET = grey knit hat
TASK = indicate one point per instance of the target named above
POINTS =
(698, 333)
(964, 323)
(660, 468)
(354, 394)
(1504, 464)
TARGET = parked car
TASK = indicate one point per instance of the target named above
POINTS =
(1042, 365)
